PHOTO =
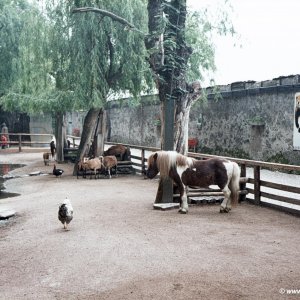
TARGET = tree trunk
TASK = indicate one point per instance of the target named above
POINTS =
(99, 135)
(181, 127)
(182, 115)
(90, 121)
(60, 136)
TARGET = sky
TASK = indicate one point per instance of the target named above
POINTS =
(269, 42)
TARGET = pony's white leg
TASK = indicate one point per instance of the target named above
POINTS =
(109, 176)
(226, 203)
(184, 204)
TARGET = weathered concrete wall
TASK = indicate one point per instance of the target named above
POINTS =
(135, 124)
(244, 119)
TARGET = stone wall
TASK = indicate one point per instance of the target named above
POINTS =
(244, 119)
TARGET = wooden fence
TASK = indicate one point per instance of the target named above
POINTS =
(253, 189)
(260, 192)
(35, 140)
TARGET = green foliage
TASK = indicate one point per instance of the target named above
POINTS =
(52, 59)
(11, 25)
(68, 61)
(256, 120)
(108, 57)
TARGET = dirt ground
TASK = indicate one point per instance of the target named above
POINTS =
(118, 247)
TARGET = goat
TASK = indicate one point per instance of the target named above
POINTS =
(46, 156)
(93, 164)
(108, 163)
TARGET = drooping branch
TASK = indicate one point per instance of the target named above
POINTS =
(107, 14)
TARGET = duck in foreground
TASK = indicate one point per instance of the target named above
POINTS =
(57, 172)
(65, 212)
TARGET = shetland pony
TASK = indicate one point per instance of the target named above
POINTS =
(186, 171)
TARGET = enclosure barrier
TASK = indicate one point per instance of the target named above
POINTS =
(253, 189)
(28, 139)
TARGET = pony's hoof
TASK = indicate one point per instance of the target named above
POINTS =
(182, 211)
(225, 210)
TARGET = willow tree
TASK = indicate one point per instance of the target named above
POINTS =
(68, 62)
(11, 25)
(40, 66)
(107, 58)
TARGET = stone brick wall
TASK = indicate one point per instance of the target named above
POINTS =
(244, 119)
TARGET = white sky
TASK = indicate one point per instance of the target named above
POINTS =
(270, 39)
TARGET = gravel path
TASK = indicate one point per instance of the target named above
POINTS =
(118, 247)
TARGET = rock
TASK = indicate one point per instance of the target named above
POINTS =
(5, 214)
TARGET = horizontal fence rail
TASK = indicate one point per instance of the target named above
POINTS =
(35, 140)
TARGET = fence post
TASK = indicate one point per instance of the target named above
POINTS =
(243, 184)
(257, 185)
(143, 162)
(20, 142)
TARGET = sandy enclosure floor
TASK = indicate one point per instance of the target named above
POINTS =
(118, 247)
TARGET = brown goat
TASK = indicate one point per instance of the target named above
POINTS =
(108, 163)
(46, 156)
(93, 164)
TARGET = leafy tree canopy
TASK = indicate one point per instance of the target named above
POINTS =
(69, 62)
(11, 25)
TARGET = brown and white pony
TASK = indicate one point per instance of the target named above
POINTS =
(186, 171)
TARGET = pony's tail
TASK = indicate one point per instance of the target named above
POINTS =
(234, 185)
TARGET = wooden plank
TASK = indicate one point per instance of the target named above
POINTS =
(165, 206)
(257, 185)
(249, 163)
(143, 161)
(194, 190)
(199, 194)
(135, 157)
(250, 191)
(137, 165)
(280, 198)
(282, 187)
(124, 162)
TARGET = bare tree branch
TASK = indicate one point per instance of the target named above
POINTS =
(107, 14)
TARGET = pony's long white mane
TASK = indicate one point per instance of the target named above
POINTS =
(168, 159)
